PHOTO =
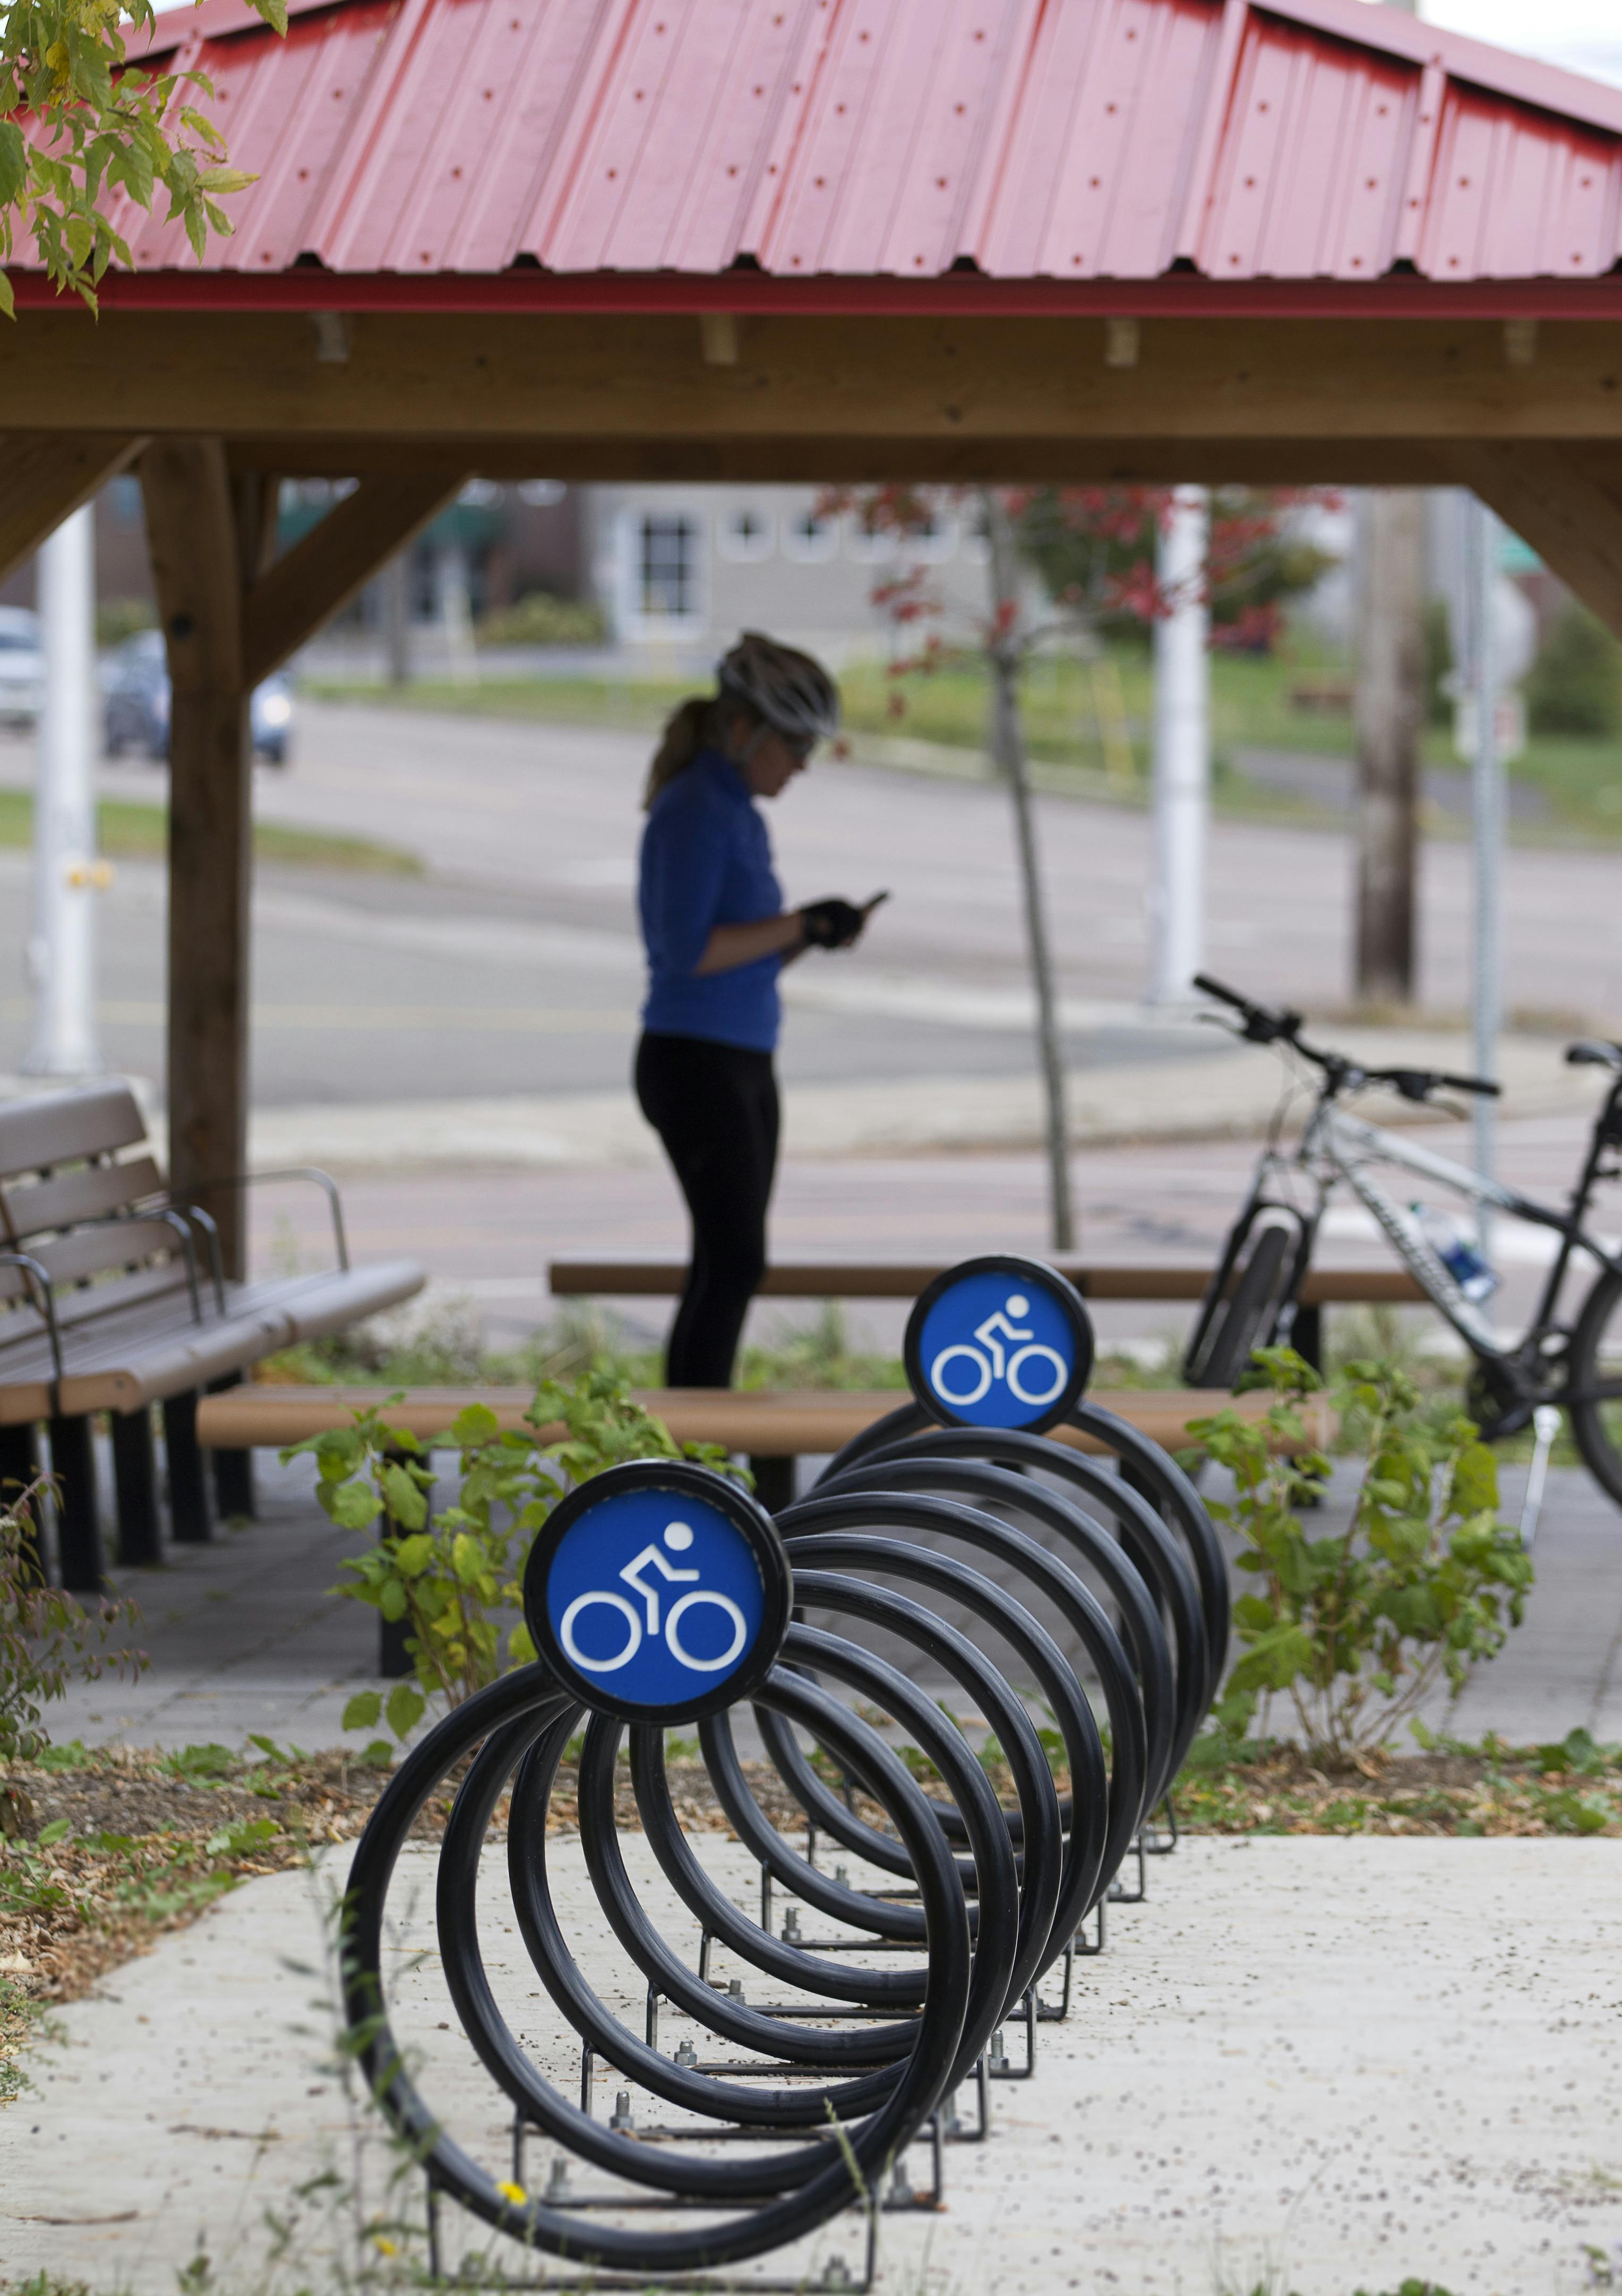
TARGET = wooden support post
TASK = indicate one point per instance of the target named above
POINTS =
(197, 551)
(229, 616)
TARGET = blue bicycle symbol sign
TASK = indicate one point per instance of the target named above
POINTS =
(679, 1537)
(999, 1343)
(1035, 1373)
(657, 1586)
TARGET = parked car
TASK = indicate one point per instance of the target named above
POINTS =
(135, 697)
(23, 668)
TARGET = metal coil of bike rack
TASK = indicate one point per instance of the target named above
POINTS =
(979, 1901)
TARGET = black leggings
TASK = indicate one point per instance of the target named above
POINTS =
(714, 1107)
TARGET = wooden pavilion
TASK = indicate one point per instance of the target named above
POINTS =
(854, 240)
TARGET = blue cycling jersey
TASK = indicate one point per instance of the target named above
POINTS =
(706, 861)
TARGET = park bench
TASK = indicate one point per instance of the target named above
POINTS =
(632, 1279)
(112, 1298)
(772, 1431)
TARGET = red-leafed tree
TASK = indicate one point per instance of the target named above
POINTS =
(1093, 550)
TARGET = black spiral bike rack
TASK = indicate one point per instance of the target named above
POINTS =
(660, 1594)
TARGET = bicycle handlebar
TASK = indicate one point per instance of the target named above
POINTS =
(1265, 1026)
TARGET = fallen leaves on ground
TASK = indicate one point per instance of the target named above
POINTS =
(1493, 1789)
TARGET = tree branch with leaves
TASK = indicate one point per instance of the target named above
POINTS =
(81, 125)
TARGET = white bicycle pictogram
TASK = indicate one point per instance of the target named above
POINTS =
(996, 1363)
(677, 1535)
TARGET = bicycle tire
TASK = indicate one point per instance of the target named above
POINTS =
(1601, 1449)
(1228, 1341)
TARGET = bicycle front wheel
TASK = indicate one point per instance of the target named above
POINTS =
(1244, 1318)
(1594, 1395)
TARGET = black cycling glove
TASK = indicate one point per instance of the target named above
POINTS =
(832, 923)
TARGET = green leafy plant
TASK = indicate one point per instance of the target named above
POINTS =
(1357, 1627)
(46, 1638)
(97, 125)
(455, 1581)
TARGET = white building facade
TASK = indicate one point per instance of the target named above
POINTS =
(680, 571)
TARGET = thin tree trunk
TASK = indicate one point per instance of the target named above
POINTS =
(396, 617)
(1390, 714)
(1008, 748)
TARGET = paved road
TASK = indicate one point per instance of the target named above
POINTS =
(513, 966)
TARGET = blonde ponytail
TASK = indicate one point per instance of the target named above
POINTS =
(687, 730)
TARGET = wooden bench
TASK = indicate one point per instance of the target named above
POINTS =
(812, 1279)
(112, 1298)
(772, 1431)
(763, 1425)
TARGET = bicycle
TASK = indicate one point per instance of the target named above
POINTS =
(1252, 1300)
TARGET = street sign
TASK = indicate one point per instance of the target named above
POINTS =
(999, 1343)
(658, 1592)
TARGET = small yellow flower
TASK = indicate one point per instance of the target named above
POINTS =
(515, 2194)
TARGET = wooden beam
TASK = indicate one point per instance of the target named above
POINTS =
(199, 536)
(296, 593)
(786, 461)
(1566, 502)
(628, 379)
(46, 477)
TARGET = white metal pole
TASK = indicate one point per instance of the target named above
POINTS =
(66, 875)
(1487, 814)
(1181, 751)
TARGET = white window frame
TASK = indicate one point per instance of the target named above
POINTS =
(738, 551)
(807, 549)
(635, 620)
(881, 547)
(934, 549)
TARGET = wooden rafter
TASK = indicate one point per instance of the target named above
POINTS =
(323, 570)
(46, 477)
(1565, 501)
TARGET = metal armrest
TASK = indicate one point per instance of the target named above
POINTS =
(46, 1303)
(196, 1215)
(311, 1172)
(150, 1209)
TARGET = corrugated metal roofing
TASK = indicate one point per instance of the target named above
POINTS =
(1059, 140)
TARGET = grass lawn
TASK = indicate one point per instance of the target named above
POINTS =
(140, 832)
(1087, 727)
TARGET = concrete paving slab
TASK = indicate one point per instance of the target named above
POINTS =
(1348, 2061)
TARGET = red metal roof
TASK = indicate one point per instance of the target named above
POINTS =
(646, 153)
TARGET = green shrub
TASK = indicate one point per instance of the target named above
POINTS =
(46, 1638)
(451, 1580)
(1575, 684)
(1357, 1628)
(541, 620)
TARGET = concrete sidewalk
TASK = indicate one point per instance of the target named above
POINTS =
(1342, 2061)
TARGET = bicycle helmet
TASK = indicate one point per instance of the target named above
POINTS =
(793, 693)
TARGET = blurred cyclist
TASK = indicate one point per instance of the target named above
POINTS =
(717, 936)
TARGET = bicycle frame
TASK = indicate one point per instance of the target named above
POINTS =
(1336, 1146)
